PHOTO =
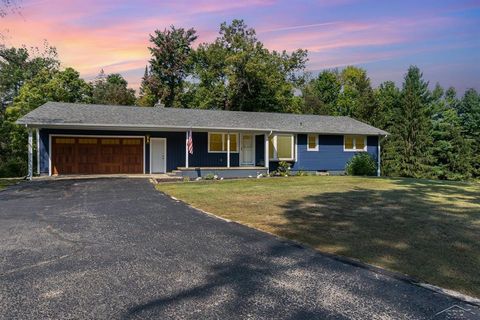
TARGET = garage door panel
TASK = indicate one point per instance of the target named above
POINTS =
(94, 155)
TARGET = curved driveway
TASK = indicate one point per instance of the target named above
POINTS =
(118, 249)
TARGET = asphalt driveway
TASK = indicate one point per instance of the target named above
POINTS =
(118, 249)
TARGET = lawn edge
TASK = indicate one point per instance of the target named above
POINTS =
(347, 260)
(16, 183)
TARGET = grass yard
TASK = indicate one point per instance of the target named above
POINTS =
(426, 229)
(6, 182)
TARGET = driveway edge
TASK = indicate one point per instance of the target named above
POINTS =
(350, 261)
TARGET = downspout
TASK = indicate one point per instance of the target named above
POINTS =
(30, 154)
(267, 156)
(379, 157)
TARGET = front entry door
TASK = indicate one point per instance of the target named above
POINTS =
(158, 155)
(247, 149)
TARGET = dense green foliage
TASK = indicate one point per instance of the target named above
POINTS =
(38, 80)
(432, 133)
(171, 62)
(345, 93)
(362, 164)
(236, 72)
(112, 89)
(66, 86)
(408, 149)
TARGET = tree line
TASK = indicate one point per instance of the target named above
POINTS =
(432, 133)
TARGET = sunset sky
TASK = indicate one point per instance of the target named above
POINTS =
(384, 37)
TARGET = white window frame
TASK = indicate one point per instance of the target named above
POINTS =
(224, 142)
(275, 152)
(355, 143)
(308, 142)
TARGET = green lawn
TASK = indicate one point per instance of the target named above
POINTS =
(6, 182)
(426, 229)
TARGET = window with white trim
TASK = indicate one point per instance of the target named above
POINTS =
(312, 142)
(354, 143)
(217, 142)
(281, 147)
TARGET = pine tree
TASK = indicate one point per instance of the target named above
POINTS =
(149, 90)
(451, 151)
(409, 145)
(469, 112)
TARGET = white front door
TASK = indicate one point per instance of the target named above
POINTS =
(247, 151)
(158, 155)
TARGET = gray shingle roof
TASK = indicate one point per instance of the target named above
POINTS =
(56, 114)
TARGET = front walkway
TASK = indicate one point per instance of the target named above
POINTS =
(118, 249)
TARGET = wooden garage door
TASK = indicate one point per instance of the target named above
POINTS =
(96, 155)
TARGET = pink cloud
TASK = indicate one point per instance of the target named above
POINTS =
(210, 6)
(345, 34)
(114, 35)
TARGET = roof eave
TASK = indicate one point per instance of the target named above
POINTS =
(86, 126)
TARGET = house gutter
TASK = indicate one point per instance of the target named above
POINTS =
(113, 127)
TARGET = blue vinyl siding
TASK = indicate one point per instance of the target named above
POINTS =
(330, 155)
(202, 158)
(175, 148)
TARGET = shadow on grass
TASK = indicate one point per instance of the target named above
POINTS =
(427, 229)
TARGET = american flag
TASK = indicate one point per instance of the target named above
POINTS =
(190, 142)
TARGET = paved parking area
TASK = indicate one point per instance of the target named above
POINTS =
(118, 249)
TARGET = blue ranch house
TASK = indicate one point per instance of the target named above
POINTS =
(103, 139)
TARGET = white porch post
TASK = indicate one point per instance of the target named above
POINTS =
(228, 149)
(38, 151)
(30, 154)
(267, 160)
(275, 151)
(186, 149)
(378, 158)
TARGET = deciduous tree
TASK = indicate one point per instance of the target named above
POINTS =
(48, 85)
(236, 72)
(171, 61)
(112, 89)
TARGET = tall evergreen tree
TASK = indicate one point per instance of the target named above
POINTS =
(150, 90)
(387, 96)
(451, 151)
(469, 112)
(408, 148)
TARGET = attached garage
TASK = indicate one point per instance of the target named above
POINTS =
(97, 155)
